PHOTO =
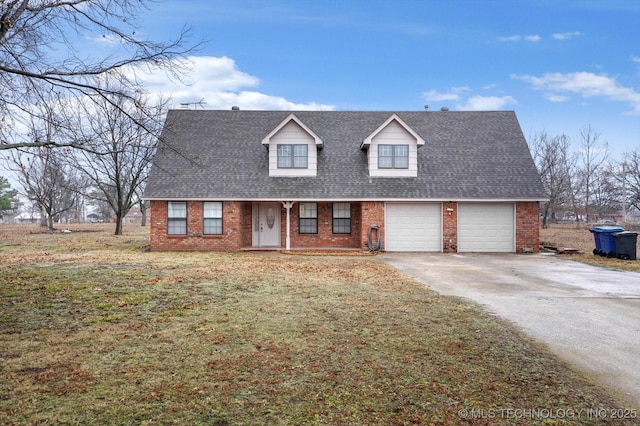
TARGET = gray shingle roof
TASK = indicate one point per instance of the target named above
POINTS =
(213, 154)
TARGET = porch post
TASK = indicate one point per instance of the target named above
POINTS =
(287, 205)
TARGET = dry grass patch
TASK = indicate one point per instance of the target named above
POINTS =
(95, 330)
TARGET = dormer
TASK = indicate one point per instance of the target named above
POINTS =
(392, 149)
(293, 149)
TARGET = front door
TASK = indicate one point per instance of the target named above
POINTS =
(266, 224)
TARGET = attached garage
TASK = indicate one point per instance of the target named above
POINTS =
(486, 227)
(413, 227)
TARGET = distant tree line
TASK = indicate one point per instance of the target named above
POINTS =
(583, 182)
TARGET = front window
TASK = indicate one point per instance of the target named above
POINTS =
(292, 156)
(212, 213)
(177, 218)
(393, 156)
(308, 217)
(341, 218)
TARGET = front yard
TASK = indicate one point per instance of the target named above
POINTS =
(96, 330)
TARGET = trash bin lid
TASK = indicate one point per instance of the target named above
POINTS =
(626, 234)
(608, 229)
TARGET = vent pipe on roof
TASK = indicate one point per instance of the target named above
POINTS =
(444, 109)
(235, 108)
(426, 107)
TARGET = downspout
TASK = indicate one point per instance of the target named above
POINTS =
(288, 205)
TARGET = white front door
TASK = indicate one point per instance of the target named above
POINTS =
(266, 225)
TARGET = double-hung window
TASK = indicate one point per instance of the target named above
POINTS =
(177, 218)
(393, 156)
(212, 214)
(308, 218)
(292, 156)
(341, 218)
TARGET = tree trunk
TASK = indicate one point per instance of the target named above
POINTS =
(545, 216)
(143, 212)
(43, 217)
(118, 223)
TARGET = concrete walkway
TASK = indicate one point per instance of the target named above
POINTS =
(588, 316)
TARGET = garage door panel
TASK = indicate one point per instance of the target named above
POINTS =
(413, 227)
(486, 227)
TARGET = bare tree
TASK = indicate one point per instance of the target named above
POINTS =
(119, 151)
(47, 181)
(627, 177)
(594, 154)
(39, 57)
(555, 165)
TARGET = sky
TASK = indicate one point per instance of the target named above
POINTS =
(560, 65)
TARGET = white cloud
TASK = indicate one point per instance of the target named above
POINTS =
(453, 94)
(219, 82)
(556, 98)
(107, 39)
(515, 38)
(566, 36)
(585, 84)
(487, 103)
(635, 59)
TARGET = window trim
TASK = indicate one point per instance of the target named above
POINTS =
(394, 156)
(311, 220)
(184, 219)
(292, 158)
(205, 218)
(334, 218)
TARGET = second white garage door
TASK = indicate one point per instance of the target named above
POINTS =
(486, 227)
(413, 227)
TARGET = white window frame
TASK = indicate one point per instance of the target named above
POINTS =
(212, 218)
(341, 213)
(177, 217)
(294, 158)
(308, 218)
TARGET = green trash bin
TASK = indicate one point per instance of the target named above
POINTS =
(626, 244)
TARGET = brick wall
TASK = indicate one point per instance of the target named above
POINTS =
(237, 227)
(325, 236)
(372, 212)
(528, 226)
(231, 240)
(450, 228)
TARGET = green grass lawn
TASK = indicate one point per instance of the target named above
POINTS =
(96, 330)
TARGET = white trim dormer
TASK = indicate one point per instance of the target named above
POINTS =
(392, 149)
(292, 137)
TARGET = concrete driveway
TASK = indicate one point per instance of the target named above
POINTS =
(588, 316)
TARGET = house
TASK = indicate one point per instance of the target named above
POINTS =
(438, 181)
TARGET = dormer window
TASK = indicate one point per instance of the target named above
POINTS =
(293, 149)
(392, 149)
(292, 156)
(393, 156)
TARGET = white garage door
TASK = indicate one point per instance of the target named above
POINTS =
(486, 227)
(413, 227)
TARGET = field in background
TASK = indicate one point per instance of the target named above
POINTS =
(94, 329)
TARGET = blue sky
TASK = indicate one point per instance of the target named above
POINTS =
(561, 65)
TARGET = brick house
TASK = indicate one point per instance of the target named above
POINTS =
(439, 181)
